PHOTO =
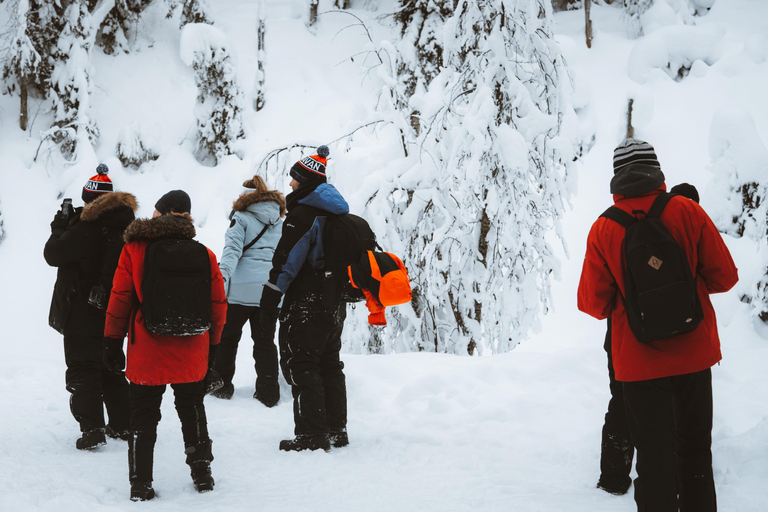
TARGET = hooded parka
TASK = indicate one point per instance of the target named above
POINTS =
(246, 272)
(79, 253)
(602, 286)
(154, 360)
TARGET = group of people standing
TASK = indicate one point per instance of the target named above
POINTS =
(272, 269)
(271, 258)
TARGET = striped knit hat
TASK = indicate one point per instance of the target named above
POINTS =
(97, 185)
(634, 151)
(311, 168)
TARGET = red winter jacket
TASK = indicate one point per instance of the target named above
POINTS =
(154, 360)
(602, 274)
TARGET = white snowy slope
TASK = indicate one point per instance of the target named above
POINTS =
(518, 431)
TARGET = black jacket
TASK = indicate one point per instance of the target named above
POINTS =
(86, 254)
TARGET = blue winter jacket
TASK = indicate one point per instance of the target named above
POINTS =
(245, 273)
(299, 253)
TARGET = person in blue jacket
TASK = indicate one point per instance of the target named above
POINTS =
(250, 241)
(311, 318)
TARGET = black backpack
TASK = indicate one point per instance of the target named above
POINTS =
(661, 298)
(346, 238)
(176, 288)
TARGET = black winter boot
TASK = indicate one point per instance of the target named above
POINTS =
(201, 476)
(339, 439)
(226, 391)
(141, 490)
(91, 439)
(267, 394)
(306, 442)
(123, 435)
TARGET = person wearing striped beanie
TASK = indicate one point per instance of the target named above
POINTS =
(311, 169)
(97, 185)
(636, 169)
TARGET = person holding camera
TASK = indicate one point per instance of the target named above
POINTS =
(85, 245)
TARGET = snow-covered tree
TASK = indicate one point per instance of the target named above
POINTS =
(135, 147)
(219, 105)
(740, 185)
(44, 24)
(70, 81)
(120, 24)
(192, 11)
(24, 60)
(491, 183)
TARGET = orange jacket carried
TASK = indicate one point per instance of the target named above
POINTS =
(153, 360)
(384, 281)
(602, 279)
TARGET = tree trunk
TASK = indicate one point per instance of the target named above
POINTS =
(23, 94)
(588, 26)
(258, 97)
(630, 129)
(313, 5)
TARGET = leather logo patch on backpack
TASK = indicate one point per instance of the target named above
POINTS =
(655, 262)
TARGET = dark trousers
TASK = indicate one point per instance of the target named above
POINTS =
(616, 450)
(310, 341)
(671, 424)
(93, 387)
(145, 415)
(264, 349)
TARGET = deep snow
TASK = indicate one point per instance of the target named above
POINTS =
(517, 431)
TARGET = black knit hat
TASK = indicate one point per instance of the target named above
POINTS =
(636, 170)
(176, 201)
(686, 190)
(97, 185)
(311, 169)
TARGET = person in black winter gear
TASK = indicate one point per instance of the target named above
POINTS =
(245, 263)
(311, 318)
(85, 245)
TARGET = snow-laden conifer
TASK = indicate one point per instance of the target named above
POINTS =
(24, 60)
(219, 105)
(475, 212)
(192, 11)
(70, 81)
(120, 24)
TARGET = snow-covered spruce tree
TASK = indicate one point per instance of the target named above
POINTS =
(492, 182)
(24, 60)
(135, 147)
(70, 81)
(120, 24)
(219, 99)
(192, 11)
(420, 52)
(633, 9)
(44, 24)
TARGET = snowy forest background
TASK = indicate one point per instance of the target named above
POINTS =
(476, 137)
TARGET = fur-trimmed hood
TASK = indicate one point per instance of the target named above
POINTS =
(108, 203)
(172, 225)
(242, 203)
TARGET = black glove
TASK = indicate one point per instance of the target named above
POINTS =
(59, 222)
(213, 380)
(114, 357)
(270, 299)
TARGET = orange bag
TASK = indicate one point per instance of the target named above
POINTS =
(385, 278)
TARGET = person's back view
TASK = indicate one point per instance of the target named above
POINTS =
(250, 241)
(157, 357)
(666, 382)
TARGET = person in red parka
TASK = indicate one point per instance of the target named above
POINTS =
(157, 360)
(668, 382)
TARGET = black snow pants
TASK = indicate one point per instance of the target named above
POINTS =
(310, 341)
(616, 450)
(145, 415)
(92, 385)
(671, 424)
(264, 349)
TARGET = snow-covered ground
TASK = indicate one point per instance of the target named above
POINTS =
(517, 431)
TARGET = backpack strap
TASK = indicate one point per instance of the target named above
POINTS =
(266, 227)
(618, 215)
(659, 204)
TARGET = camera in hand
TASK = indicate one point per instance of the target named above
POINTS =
(66, 207)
